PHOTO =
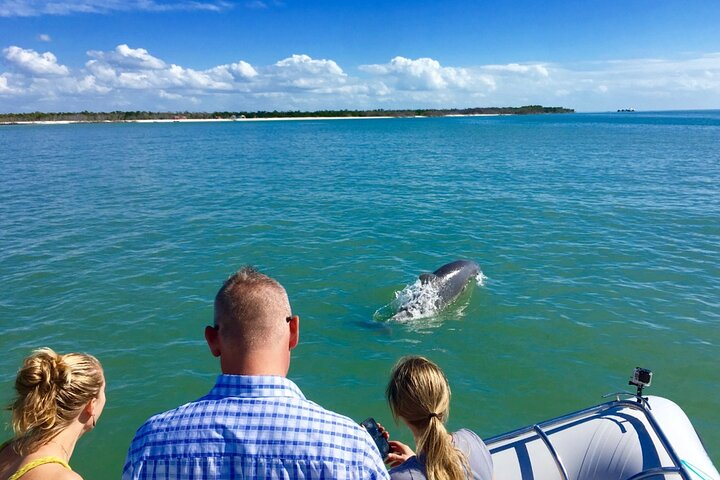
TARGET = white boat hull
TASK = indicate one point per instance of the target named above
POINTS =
(619, 440)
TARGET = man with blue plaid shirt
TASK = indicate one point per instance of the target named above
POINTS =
(254, 423)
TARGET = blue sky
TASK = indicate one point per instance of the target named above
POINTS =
(207, 55)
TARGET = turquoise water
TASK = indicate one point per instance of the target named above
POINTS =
(599, 235)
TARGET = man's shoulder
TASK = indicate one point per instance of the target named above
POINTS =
(177, 415)
(329, 415)
(337, 423)
(303, 413)
(178, 412)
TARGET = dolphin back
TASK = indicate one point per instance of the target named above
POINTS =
(426, 278)
(454, 278)
(436, 290)
(469, 268)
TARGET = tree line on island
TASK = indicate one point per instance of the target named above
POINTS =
(121, 116)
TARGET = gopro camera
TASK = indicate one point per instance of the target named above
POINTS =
(380, 441)
(642, 377)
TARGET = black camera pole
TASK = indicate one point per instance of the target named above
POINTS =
(639, 390)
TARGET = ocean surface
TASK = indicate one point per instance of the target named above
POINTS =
(598, 236)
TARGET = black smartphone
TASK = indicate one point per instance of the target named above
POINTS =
(382, 444)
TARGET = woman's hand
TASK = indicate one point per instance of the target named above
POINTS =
(399, 453)
(384, 432)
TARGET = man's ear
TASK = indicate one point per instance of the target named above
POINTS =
(294, 331)
(212, 337)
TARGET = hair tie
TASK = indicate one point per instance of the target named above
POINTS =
(433, 414)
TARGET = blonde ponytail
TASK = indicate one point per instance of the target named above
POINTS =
(419, 393)
(51, 391)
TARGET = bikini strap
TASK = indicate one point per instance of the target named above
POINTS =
(36, 463)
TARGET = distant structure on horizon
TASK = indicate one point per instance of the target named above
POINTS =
(625, 110)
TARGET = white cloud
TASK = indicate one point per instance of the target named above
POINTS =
(538, 70)
(170, 96)
(238, 71)
(102, 71)
(4, 85)
(644, 84)
(303, 63)
(694, 74)
(426, 74)
(28, 60)
(189, 78)
(44, 37)
(296, 80)
(137, 69)
(34, 8)
(126, 57)
(303, 72)
(134, 78)
(89, 83)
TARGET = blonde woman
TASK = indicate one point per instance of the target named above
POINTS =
(59, 398)
(419, 395)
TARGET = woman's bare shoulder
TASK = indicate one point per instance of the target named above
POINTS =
(51, 470)
(69, 475)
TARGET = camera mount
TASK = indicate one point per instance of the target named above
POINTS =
(642, 377)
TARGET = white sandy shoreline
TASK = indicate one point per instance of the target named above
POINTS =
(215, 120)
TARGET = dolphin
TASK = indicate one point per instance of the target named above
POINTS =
(449, 281)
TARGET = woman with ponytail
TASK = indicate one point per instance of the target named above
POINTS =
(419, 395)
(59, 398)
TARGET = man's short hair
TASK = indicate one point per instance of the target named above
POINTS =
(251, 308)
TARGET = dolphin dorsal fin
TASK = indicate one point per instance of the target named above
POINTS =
(426, 278)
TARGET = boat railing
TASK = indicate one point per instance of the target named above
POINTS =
(638, 398)
(640, 404)
(558, 461)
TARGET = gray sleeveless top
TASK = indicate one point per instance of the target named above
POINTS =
(466, 441)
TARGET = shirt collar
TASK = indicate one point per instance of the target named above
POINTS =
(254, 386)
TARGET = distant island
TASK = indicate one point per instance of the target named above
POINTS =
(120, 116)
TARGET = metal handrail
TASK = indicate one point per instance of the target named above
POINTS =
(639, 398)
(549, 423)
(553, 452)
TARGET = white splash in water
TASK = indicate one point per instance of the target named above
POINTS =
(417, 300)
(420, 301)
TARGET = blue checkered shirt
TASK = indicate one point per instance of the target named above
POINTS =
(252, 427)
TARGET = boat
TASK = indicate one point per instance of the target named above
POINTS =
(631, 437)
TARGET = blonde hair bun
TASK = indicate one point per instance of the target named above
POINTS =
(51, 391)
(44, 370)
